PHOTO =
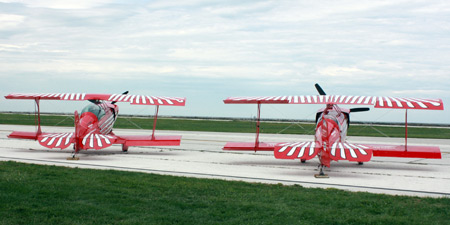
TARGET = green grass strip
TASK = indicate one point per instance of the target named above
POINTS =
(232, 126)
(37, 194)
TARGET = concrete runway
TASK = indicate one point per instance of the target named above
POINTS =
(201, 155)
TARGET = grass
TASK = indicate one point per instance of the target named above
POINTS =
(232, 126)
(36, 194)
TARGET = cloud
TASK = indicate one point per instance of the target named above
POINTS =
(246, 47)
(10, 21)
(297, 11)
(85, 69)
(421, 92)
(336, 71)
(66, 4)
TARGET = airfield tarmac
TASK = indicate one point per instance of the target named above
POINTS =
(200, 155)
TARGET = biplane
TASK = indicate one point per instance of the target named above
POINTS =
(332, 122)
(94, 126)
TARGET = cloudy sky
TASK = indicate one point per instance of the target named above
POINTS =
(209, 50)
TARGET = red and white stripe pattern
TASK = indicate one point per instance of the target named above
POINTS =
(350, 152)
(106, 123)
(376, 101)
(257, 100)
(148, 100)
(97, 141)
(56, 140)
(49, 96)
(296, 150)
(133, 99)
(309, 149)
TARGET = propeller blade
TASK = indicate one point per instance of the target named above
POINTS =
(359, 109)
(320, 90)
(114, 102)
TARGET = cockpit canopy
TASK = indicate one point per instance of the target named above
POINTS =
(98, 111)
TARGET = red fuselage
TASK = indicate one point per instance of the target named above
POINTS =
(331, 127)
(95, 119)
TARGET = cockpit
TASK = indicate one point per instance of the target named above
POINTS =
(332, 115)
(98, 111)
(338, 116)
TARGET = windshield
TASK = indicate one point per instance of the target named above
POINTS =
(95, 109)
(332, 116)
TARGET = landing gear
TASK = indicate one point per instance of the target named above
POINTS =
(76, 146)
(323, 158)
(303, 160)
(360, 163)
(321, 173)
(124, 148)
(74, 156)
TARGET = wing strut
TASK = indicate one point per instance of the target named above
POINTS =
(252, 146)
(406, 130)
(37, 117)
(258, 122)
(155, 118)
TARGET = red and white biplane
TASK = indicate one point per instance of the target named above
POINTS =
(331, 129)
(93, 128)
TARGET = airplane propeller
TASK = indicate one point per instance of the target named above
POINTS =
(363, 109)
(319, 89)
(321, 92)
(114, 102)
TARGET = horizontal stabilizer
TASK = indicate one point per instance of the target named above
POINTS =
(56, 140)
(249, 146)
(63, 140)
(48, 140)
(350, 152)
(309, 149)
(296, 150)
(97, 141)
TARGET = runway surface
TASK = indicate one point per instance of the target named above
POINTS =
(200, 155)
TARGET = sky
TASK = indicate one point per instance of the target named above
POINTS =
(207, 51)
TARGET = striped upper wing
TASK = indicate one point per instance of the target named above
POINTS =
(133, 99)
(258, 100)
(376, 101)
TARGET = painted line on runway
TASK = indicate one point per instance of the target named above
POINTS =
(234, 177)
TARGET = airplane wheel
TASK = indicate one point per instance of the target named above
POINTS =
(73, 158)
(360, 163)
(303, 160)
(321, 173)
